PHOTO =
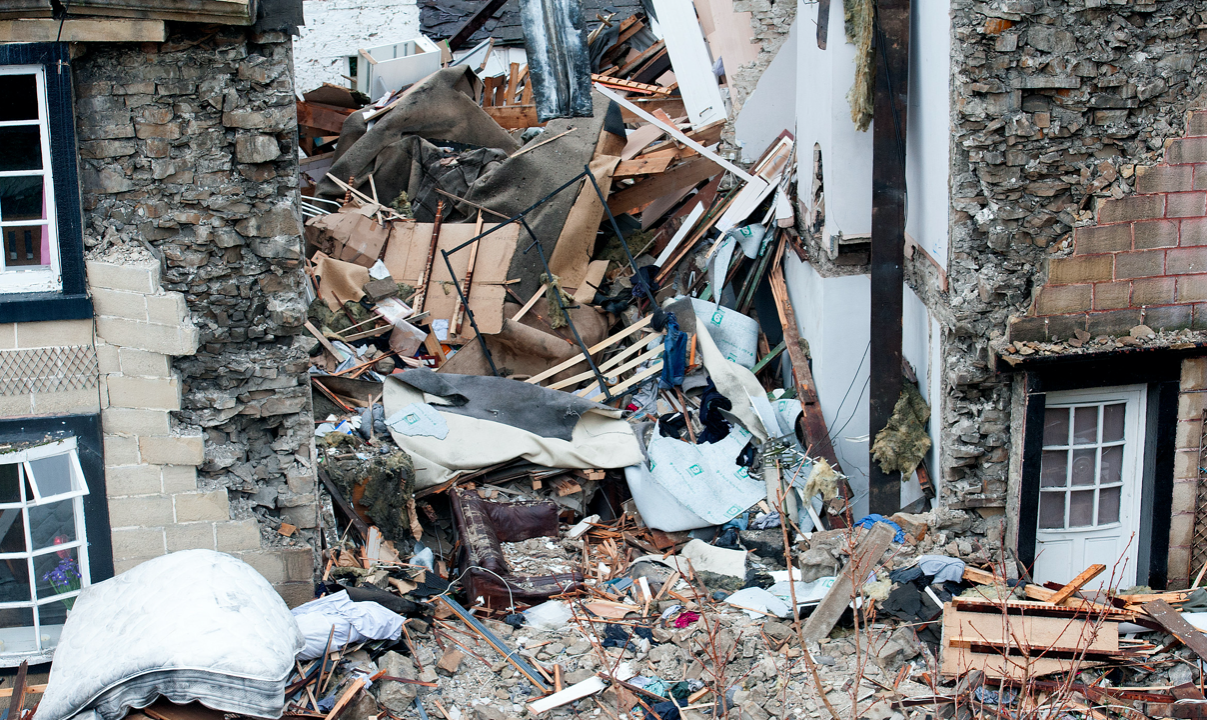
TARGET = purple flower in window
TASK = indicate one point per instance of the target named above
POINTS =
(64, 578)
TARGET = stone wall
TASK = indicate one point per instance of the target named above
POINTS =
(1187, 475)
(189, 151)
(1054, 104)
(48, 368)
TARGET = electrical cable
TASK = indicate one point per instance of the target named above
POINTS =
(853, 410)
(838, 412)
(66, 9)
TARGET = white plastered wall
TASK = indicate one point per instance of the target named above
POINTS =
(771, 108)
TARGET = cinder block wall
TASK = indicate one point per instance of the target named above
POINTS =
(1185, 558)
(188, 166)
(1145, 261)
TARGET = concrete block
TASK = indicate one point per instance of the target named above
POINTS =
(148, 393)
(1183, 499)
(1186, 150)
(299, 563)
(190, 536)
(1080, 269)
(296, 593)
(268, 563)
(172, 449)
(140, 511)
(1163, 178)
(193, 507)
(1107, 296)
(1186, 260)
(1194, 231)
(134, 421)
(1142, 263)
(1188, 434)
(1102, 238)
(107, 358)
(138, 543)
(1185, 465)
(1179, 567)
(145, 363)
(179, 478)
(120, 450)
(1153, 291)
(121, 480)
(68, 402)
(121, 566)
(1190, 406)
(1186, 204)
(1194, 374)
(16, 405)
(55, 333)
(120, 303)
(166, 339)
(1131, 207)
(1155, 234)
(167, 309)
(140, 277)
(8, 336)
(1061, 299)
(238, 535)
(1192, 288)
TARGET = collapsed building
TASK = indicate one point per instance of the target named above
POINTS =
(707, 320)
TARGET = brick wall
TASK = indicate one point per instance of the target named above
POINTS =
(1186, 478)
(30, 353)
(1144, 262)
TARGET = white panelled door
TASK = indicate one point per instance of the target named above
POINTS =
(1089, 485)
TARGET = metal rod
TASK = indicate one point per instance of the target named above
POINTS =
(557, 295)
(521, 214)
(649, 293)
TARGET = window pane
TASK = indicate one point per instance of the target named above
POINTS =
(14, 581)
(1054, 468)
(1112, 422)
(52, 616)
(20, 148)
(26, 247)
(20, 93)
(1108, 505)
(1084, 470)
(12, 532)
(1112, 465)
(17, 630)
(1056, 426)
(21, 198)
(1085, 425)
(52, 524)
(10, 484)
(52, 475)
(1051, 510)
(1081, 508)
(57, 573)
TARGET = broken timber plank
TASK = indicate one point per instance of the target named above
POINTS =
(514, 117)
(322, 117)
(1076, 583)
(642, 166)
(605, 343)
(1177, 626)
(676, 178)
(840, 594)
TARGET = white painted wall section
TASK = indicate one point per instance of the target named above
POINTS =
(771, 108)
(823, 117)
(834, 316)
(928, 136)
(335, 29)
(680, 28)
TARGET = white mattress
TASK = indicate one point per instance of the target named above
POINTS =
(193, 625)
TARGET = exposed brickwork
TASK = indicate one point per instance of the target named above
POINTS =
(1148, 252)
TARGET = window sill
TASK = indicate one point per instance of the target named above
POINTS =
(41, 307)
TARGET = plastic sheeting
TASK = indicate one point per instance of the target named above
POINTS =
(351, 621)
(192, 625)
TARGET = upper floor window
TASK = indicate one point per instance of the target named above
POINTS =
(30, 262)
(41, 239)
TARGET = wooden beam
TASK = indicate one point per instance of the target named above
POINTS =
(681, 176)
(1177, 626)
(514, 117)
(82, 30)
(474, 22)
(863, 559)
(322, 117)
(1067, 591)
(888, 239)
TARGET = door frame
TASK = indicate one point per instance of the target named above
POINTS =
(1161, 374)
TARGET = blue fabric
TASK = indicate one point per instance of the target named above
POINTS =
(674, 359)
(868, 521)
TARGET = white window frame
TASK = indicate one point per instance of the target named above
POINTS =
(44, 642)
(43, 279)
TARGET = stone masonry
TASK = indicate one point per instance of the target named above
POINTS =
(189, 172)
(1054, 103)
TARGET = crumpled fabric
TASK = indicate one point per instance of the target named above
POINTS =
(995, 697)
(655, 685)
(353, 622)
(685, 619)
(716, 427)
(615, 636)
(943, 568)
(1195, 601)
(684, 688)
(674, 357)
(764, 521)
(868, 521)
(663, 711)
